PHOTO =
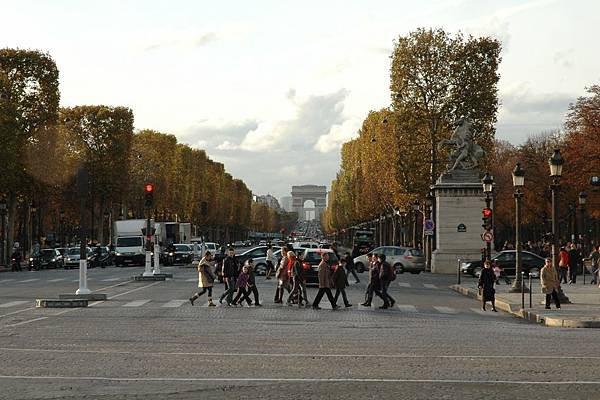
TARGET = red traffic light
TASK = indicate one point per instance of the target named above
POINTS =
(149, 188)
(487, 212)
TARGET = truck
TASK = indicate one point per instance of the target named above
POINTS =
(363, 241)
(175, 232)
(130, 242)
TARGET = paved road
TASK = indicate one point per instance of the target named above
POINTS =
(148, 342)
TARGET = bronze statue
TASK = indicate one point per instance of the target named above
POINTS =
(466, 154)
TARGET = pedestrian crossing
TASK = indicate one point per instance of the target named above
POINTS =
(418, 285)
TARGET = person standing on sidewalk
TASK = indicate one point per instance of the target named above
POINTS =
(206, 279)
(340, 282)
(324, 283)
(595, 259)
(563, 264)
(574, 263)
(230, 273)
(487, 278)
(385, 276)
(550, 283)
(270, 261)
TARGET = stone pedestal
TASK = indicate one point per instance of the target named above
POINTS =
(459, 204)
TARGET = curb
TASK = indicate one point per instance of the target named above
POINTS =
(532, 316)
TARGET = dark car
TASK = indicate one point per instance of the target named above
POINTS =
(46, 258)
(183, 254)
(530, 263)
(311, 260)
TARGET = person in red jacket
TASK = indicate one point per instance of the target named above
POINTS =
(563, 265)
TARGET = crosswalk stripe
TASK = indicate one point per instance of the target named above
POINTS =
(407, 308)
(481, 312)
(13, 303)
(110, 280)
(57, 280)
(430, 286)
(174, 303)
(191, 280)
(6, 280)
(446, 310)
(29, 280)
(136, 303)
(403, 284)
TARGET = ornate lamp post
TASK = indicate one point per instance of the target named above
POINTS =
(518, 176)
(428, 209)
(32, 211)
(556, 164)
(488, 188)
(3, 250)
(61, 226)
(583, 230)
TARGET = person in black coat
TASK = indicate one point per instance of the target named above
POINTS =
(340, 282)
(486, 285)
(350, 267)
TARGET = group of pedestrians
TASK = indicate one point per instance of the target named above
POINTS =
(290, 273)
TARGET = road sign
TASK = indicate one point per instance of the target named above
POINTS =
(428, 233)
(487, 236)
(429, 225)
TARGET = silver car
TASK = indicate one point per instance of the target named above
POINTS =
(404, 259)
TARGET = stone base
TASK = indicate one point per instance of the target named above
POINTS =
(446, 262)
(58, 303)
(90, 296)
(170, 276)
(141, 278)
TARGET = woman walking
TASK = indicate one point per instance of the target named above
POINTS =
(550, 283)
(324, 283)
(486, 285)
(206, 278)
(340, 282)
(282, 275)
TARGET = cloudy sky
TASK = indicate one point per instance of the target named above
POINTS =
(271, 88)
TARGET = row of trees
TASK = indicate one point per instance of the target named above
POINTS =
(42, 146)
(268, 219)
(436, 78)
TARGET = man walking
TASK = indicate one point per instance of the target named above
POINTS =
(230, 273)
(574, 263)
(385, 276)
(324, 283)
(374, 286)
(350, 267)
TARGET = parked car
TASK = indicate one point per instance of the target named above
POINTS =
(311, 261)
(72, 257)
(238, 243)
(46, 258)
(531, 263)
(404, 259)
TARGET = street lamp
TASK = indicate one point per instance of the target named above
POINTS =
(488, 189)
(61, 226)
(3, 250)
(518, 176)
(556, 163)
(428, 208)
(582, 202)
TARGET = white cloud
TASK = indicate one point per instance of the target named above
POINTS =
(338, 135)
(227, 145)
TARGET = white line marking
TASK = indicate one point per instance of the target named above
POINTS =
(6, 280)
(17, 312)
(13, 303)
(192, 280)
(305, 355)
(374, 380)
(407, 308)
(26, 322)
(57, 280)
(110, 280)
(136, 303)
(404, 284)
(29, 280)
(429, 286)
(174, 303)
(446, 310)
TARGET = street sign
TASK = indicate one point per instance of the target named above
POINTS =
(428, 233)
(429, 225)
(487, 237)
(461, 228)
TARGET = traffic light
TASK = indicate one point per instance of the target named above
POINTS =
(487, 219)
(149, 195)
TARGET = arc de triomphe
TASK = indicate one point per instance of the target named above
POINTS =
(301, 194)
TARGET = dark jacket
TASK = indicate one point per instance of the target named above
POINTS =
(339, 277)
(374, 275)
(574, 258)
(486, 283)
(230, 267)
(297, 270)
(349, 263)
(385, 271)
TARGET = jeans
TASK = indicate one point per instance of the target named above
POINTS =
(564, 272)
(254, 291)
(373, 289)
(387, 299)
(554, 295)
(573, 273)
(594, 275)
(204, 290)
(243, 294)
(230, 285)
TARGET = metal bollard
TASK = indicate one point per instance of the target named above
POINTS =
(583, 272)
(458, 272)
(522, 290)
(530, 291)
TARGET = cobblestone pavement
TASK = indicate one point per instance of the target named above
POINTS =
(148, 342)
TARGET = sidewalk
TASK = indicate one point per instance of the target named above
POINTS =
(582, 312)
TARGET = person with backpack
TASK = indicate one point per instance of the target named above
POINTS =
(206, 279)
(387, 274)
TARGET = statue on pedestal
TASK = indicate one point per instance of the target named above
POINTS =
(466, 153)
